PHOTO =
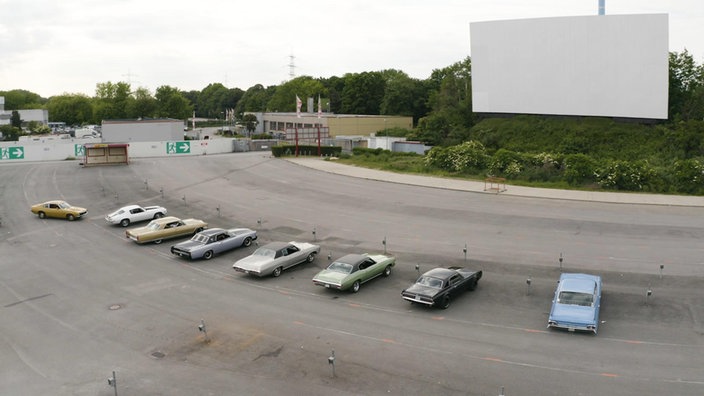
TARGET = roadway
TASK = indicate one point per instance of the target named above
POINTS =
(79, 300)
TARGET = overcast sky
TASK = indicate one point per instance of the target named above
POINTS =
(53, 47)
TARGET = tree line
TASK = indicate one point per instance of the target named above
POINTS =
(441, 105)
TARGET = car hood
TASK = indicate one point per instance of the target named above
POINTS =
(422, 290)
(188, 246)
(77, 209)
(253, 263)
(572, 313)
(328, 276)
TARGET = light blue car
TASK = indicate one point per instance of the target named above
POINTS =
(576, 303)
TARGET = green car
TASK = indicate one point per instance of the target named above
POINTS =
(349, 272)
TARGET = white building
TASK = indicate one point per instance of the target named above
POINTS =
(38, 115)
(150, 130)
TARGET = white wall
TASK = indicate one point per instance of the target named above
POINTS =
(62, 149)
(600, 65)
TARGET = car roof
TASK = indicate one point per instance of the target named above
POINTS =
(442, 273)
(212, 231)
(167, 219)
(352, 259)
(128, 207)
(581, 283)
(276, 245)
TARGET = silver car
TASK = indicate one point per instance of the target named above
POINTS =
(275, 257)
(210, 242)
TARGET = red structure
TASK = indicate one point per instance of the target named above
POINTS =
(95, 154)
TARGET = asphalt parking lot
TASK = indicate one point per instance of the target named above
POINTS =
(80, 301)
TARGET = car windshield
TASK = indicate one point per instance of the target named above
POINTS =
(430, 282)
(200, 238)
(340, 267)
(574, 298)
(64, 205)
(153, 226)
(266, 252)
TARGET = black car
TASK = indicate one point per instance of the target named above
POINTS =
(438, 286)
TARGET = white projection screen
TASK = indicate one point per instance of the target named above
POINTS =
(601, 65)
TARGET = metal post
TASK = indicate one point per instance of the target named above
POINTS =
(661, 268)
(560, 262)
(314, 237)
(218, 210)
(203, 330)
(331, 361)
(648, 293)
(146, 184)
(384, 243)
(528, 282)
(502, 391)
(112, 381)
(184, 200)
(161, 191)
(465, 254)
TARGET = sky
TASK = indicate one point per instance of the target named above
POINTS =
(54, 47)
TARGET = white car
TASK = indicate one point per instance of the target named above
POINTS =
(135, 213)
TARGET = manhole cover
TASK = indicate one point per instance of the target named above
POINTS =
(158, 354)
(115, 307)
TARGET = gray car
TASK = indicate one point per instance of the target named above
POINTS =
(210, 242)
(275, 257)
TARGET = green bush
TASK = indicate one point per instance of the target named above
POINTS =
(689, 176)
(579, 169)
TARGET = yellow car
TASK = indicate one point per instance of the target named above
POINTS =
(166, 228)
(59, 210)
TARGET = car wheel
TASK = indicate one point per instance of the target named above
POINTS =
(355, 286)
(445, 302)
(42, 215)
(208, 255)
(158, 215)
(387, 270)
(70, 217)
(125, 222)
(277, 272)
(157, 241)
(472, 285)
(310, 258)
(247, 242)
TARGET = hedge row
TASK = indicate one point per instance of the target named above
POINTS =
(305, 150)
(683, 176)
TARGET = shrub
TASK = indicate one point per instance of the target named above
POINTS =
(689, 176)
(579, 169)
(505, 162)
(624, 175)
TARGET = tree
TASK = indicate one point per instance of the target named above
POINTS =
(284, 98)
(143, 105)
(112, 100)
(172, 104)
(363, 93)
(255, 99)
(334, 87)
(404, 95)
(73, 109)
(685, 79)
(450, 99)
(20, 99)
(250, 122)
(213, 101)
(15, 120)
